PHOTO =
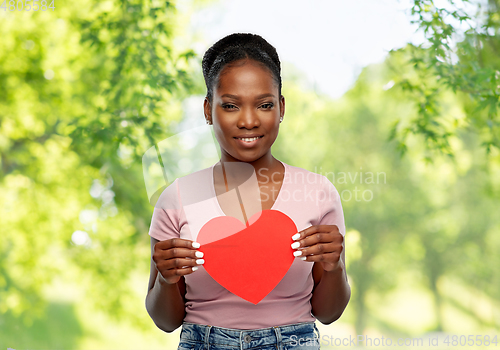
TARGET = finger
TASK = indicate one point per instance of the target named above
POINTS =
(177, 242)
(318, 237)
(178, 263)
(321, 248)
(313, 229)
(181, 253)
(332, 258)
(182, 263)
(178, 272)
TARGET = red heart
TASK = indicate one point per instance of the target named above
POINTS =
(248, 261)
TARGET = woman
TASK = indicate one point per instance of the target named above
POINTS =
(245, 106)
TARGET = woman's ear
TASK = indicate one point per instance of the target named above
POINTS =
(207, 110)
(282, 106)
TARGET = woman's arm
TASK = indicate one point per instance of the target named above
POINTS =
(324, 245)
(164, 301)
(331, 292)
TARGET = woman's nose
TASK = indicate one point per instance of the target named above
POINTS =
(248, 119)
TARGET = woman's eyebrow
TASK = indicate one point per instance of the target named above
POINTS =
(231, 96)
(264, 96)
(257, 97)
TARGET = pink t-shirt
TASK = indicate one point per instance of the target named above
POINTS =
(190, 201)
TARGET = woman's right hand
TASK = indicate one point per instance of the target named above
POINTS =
(176, 257)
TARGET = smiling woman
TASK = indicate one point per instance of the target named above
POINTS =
(247, 97)
(248, 234)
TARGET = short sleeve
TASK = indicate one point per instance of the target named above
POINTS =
(166, 214)
(331, 212)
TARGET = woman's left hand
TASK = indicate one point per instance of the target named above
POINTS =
(320, 243)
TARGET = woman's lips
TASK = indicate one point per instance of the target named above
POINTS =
(248, 144)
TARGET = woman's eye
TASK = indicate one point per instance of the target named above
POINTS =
(267, 105)
(228, 106)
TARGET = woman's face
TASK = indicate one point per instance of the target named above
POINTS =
(245, 105)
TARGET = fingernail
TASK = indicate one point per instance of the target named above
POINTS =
(200, 261)
(196, 245)
(297, 253)
(199, 254)
(303, 258)
(296, 236)
(295, 245)
(194, 268)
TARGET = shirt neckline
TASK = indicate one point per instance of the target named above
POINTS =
(214, 194)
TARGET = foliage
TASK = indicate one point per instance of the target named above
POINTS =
(460, 53)
(84, 91)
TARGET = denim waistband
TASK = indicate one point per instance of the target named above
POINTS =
(213, 336)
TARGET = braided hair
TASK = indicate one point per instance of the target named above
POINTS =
(235, 47)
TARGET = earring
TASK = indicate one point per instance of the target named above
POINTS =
(281, 119)
(208, 122)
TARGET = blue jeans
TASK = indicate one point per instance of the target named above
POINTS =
(290, 337)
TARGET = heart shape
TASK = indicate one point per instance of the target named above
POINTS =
(251, 260)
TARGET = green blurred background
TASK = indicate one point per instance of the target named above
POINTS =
(87, 88)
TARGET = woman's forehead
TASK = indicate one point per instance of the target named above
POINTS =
(245, 78)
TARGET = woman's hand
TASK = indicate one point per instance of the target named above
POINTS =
(176, 257)
(320, 243)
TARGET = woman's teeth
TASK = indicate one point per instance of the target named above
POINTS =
(248, 139)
